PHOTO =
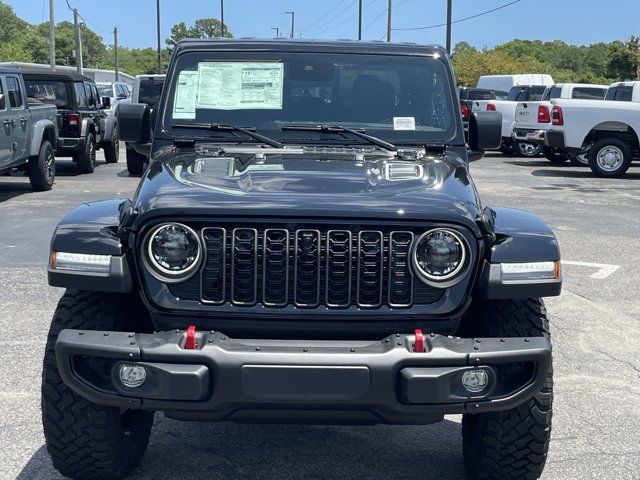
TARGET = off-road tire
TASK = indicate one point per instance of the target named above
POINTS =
(86, 159)
(135, 162)
(619, 146)
(512, 444)
(554, 157)
(85, 440)
(112, 149)
(42, 168)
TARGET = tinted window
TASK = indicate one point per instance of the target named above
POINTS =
(501, 95)
(589, 93)
(51, 92)
(398, 98)
(535, 94)
(3, 100)
(13, 90)
(481, 95)
(81, 96)
(96, 95)
(90, 98)
(106, 91)
(620, 93)
(551, 93)
(150, 91)
(517, 94)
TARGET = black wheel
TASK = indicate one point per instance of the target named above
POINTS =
(112, 148)
(42, 169)
(609, 157)
(512, 444)
(85, 440)
(555, 157)
(135, 162)
(86, 159)
(527, 149)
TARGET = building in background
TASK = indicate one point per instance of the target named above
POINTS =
(96, 74)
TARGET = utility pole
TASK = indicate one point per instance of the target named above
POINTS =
(222, 18)
(159, 68)
(359, 19)
(115, 47)
(277, 31)
(389, 22)
(78, 42)
(449, 26)
(52, 37)
(293, 17)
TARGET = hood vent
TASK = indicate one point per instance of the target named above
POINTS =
(403, 171)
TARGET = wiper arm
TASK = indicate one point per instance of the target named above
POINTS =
(218, 127)
(358, 132)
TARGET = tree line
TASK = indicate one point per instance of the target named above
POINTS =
(604, 63)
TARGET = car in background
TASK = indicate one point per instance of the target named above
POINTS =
(605, 131)
(468, 94)
(506, 82)
(28, 132)
(147, 90)
(83, 123)
(117, 92)
(533, 119)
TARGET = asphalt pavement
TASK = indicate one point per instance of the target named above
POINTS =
(595, 328)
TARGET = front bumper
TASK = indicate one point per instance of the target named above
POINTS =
(303, 380)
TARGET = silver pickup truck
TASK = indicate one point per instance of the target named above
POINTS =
(28, 132)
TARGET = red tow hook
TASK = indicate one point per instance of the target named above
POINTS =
(418, 345)
(190, 339)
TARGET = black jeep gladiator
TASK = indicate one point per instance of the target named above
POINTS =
(306, 245)
(83, 123)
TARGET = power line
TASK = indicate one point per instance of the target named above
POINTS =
(336, 26)
(321, 17)
(377, 17)
(462, 19)
(323, 26)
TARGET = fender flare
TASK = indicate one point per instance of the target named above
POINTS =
(109, 125)
(41, 129)
(87, 123)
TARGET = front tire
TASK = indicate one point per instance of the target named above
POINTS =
(511, 444)
(85, 440)
(86, 159)
(112, 148)
(42, 168)
(610, 157)
(135, 162)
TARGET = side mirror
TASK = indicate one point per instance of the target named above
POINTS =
(134, 122)
(121, 96)
(106, 102)
(485, 131)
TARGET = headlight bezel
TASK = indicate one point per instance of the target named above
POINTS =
(452, 278)
(161, 273)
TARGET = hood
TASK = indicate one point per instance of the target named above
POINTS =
(303, 184)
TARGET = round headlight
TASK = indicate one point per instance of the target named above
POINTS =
(439, 255)
(173, 249)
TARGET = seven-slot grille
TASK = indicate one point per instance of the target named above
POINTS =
(307, 268)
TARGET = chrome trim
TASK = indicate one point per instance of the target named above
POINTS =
(161, 273)
(255, 266)
(358, 292)
(295, 267)
(264, 268)
(339, 305)
(390, 269)
(224, 265)
(450, 279)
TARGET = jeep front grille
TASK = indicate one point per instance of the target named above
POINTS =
(307, 268)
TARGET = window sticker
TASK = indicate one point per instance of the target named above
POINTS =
(404, 123)
(240, 85)
(185, 102)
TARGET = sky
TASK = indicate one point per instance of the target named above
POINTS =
(574, 21)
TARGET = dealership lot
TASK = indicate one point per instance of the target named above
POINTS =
(595, 325)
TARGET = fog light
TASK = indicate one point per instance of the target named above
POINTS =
(475, 380)
(132, 376)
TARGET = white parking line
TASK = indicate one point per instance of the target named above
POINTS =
(604, 269)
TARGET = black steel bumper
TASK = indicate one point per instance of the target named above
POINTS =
(70, 144)
(309, 381)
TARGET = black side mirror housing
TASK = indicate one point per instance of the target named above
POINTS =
(134, 122)
(485, 131)
(106, 102)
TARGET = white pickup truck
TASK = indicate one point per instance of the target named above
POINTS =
(521, 93)
(533, 119)
(605, 131)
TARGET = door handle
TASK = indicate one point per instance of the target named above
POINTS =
(7, 123)
(23, 122)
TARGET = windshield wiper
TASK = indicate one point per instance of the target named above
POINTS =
(358, 132)
(219, 127)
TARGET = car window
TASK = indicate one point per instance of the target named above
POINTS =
(551, 92)
(90, 98)
(517, 94)
(96, 95)
(589, 93)
(150, 90)
(81, 96)
(481, 95)
(501, 95)
(535, 93)
(3, 101)
(106, 91)
(14, 93)
(620, 93)
(51, 92)
(120, 90)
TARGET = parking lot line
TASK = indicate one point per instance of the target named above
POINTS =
(604, 269)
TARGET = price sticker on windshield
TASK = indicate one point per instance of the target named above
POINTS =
(404, 123)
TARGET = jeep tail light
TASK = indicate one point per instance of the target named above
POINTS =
(72, 120)
(543, 114)
(491, 107)
(464, 110)
(556, 116)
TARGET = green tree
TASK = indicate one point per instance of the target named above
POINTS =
(202, 28)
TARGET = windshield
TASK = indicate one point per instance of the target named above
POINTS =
(51, 92)
(401, 99)
(481, 95)
(150, 90)
(105, 90)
